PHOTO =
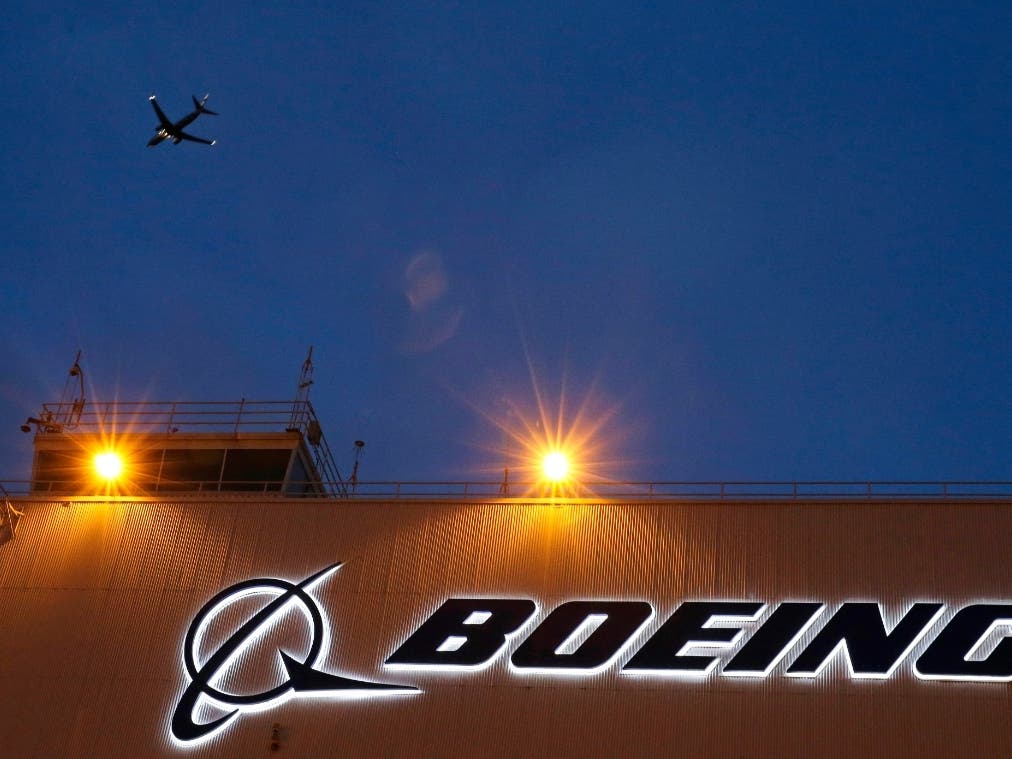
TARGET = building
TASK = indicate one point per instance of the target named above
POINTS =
(232, 595)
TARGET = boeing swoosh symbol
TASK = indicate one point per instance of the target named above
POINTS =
(302, 676)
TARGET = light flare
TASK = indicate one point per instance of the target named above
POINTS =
(557, 448)
(555, 465)
(108, 465)
(110, 457)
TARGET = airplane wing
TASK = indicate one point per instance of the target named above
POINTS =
(161, 114)
(191, 138)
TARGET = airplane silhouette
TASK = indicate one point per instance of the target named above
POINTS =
(166, 130)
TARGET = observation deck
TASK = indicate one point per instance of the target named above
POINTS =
(176, 446)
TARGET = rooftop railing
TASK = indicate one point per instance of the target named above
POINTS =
(911, 490)
(233, 418)
(706, 490)
(177, 416)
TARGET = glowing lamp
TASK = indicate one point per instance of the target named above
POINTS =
(555, 466)
(108, 465)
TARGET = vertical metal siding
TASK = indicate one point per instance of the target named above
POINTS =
(95, 599)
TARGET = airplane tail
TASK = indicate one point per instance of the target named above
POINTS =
(199, 105)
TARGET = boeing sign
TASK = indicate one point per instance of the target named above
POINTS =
(698, 639)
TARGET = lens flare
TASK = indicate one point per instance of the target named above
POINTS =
(553, 446)
(555, 465)
(108, 465)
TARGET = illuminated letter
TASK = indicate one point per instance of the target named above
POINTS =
(463, 632)
(948, 657)
(859, 630)
(773, 640)
(687, 628)
(582, 635)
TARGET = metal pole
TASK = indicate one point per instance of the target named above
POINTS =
(238, 417)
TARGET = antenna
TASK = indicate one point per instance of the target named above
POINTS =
(305, 378)
(359, 445)
(504, 486)
(300, 409)
(68, 410)
(73, 417)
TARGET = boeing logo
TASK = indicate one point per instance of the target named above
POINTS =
(302, 678)
(698, 639)
(584, 637)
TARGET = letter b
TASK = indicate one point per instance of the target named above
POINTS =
(463, 632)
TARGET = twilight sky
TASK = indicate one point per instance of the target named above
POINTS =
(739, 241)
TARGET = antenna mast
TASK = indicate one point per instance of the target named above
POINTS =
(68, 411)
(300, 409)
(76, 402)
(305, 378)
(359, 445)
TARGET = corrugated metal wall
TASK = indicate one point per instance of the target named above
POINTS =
(95, 599)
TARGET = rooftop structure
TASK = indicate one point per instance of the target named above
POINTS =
(260, 446)
(148, 447)
(278, 447)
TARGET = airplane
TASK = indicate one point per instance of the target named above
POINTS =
(166, 130)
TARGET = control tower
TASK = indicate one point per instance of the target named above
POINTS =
(147, 447)
(254, 446)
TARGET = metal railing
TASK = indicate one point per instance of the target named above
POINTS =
(909, 490)
(706, 490)
(181, 416)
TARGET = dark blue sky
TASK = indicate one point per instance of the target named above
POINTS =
(752, 242)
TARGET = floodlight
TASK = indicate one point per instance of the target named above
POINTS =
(555, 466)
(108, 465)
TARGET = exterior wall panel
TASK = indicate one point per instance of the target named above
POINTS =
(96, 597)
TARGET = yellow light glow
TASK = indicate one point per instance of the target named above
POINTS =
(555, 466)
(554, 447)
(109, 465)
